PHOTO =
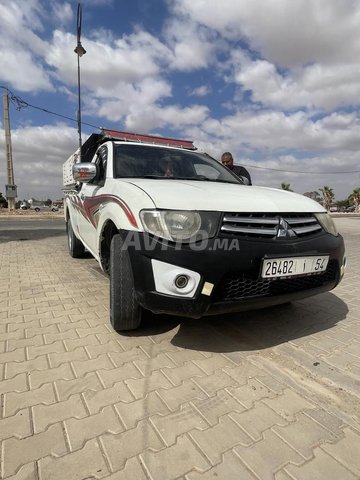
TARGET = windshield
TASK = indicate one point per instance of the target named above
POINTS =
(145, 161)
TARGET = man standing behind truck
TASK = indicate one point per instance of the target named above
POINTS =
(228, 161)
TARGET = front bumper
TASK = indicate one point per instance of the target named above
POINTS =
(233, 267)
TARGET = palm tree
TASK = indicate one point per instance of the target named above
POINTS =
(3, 202)
(355, 197)
(328, 196)
(315, 195)
(286, 186)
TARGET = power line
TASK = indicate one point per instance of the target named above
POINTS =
(19, 103)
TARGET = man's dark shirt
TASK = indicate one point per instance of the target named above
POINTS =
(241, 172)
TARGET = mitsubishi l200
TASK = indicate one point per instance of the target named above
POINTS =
(178, 233)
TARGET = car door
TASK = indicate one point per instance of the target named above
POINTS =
(90, 195)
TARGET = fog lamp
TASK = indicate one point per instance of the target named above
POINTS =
(181, 281)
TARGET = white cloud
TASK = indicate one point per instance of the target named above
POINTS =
(193, 46)
(331, 167)
(21, 72)
(132, 99)
(272, 170)
(314, 87)
(286, 33)
(329, 144)
(179, 117)
(29, 14)
(123, 80)
(102, 35)
(201, 91)
(316, 42)
(62, 12)
(173, 117)
(105, 66)
(21, 48)
(276, 131)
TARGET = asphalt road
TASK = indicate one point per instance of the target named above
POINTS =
(30, 229)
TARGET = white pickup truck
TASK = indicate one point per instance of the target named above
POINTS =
(179, 233)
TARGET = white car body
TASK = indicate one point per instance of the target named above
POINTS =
(267, 222)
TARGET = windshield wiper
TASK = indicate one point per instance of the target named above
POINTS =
(152, 176)
(199, 178)
(172, 178)
(206, 179)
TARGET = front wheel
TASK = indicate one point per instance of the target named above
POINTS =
(125, 312)
(76, 248)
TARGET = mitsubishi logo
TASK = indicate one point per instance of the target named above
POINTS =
(284, 229)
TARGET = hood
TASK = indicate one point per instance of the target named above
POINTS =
(225, 197)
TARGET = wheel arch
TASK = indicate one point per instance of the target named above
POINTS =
(66, 211)
(109, 229)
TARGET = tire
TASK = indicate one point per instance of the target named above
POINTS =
(76, 248)
(37, 209)
(125, 312)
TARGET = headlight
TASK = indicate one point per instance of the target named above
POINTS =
(179, 225)
(327, 223)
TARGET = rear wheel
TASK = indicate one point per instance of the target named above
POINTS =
(125, 312)
(76, 248)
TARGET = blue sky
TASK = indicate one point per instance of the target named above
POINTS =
(276, 82)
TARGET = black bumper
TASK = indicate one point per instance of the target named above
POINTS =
(234, 272)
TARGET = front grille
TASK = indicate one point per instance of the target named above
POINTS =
(266, 225)
(237, 286)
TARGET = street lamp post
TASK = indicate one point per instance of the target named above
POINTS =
(80, 51)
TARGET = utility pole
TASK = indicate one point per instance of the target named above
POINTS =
(10, 187)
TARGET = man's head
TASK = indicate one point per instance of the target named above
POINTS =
(169, 169)
(227, 160)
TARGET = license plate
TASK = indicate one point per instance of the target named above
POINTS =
(292, 266)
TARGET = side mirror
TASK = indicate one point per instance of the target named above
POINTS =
(84, 172)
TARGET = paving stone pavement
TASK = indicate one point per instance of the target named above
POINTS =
(271, 394)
